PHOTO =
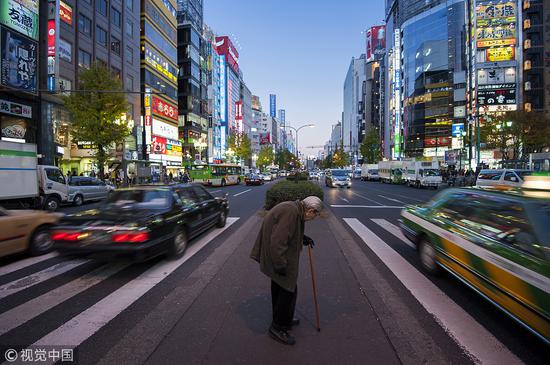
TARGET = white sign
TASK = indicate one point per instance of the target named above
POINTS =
(20, 110)
(164, 129)
(460, 111)
(65, 50)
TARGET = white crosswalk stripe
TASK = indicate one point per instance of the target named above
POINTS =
(21, 264)
(466, 331)
(394, 230)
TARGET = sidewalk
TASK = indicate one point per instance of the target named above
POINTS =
(228, 322)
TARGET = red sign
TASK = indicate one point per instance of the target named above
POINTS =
(225, 47)
(239, 110)
(66, 13)
(165, 109)
(434, 142)
(158, 145)
(264, 138)
(51, 37)
(376, 41)
(147, 120)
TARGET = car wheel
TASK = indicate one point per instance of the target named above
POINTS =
(222, 219)
(78, 200)
(428, 255)
(40, 241)
(51, 204)
(179, 244)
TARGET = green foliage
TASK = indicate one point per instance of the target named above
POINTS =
(96, 116)
(327, 162)
(265, 157)
(340, 158)
(298, 176)
(290, 191)
(287, 160)
(240, 144)
(370, 147)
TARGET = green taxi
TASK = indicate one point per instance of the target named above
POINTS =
(496, 242)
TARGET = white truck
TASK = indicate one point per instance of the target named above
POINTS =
(369, 172)
(391, 171)
(422, 174)
(24, 183)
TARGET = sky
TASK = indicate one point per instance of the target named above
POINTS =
(299, 50)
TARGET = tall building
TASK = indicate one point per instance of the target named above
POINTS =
(246, 98)
(193, 80)
(78, 34)
(256, 130)
(353, 105)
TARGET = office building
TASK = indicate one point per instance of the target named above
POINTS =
(353, 118)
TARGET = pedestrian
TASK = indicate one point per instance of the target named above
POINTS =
(277, 249)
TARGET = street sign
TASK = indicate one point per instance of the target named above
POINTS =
(458, 129)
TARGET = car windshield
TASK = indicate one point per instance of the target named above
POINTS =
(339, 173)
(432, 173)
(490, 175)
(374, 172)
(139, 199)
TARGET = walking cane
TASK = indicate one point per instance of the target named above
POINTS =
(314, 288)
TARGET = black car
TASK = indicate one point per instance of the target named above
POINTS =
(142, 222)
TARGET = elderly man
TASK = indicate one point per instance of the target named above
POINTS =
(277, 249)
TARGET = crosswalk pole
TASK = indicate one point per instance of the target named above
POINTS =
(314, 288)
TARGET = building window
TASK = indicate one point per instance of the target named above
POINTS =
(129, 83)
(115, 45)
(116, 18)
(130, 55)
(129, 28)
(84, 59)
(101, 63)
(101, 6)
(116, 73)
(130, 4)
(65, 84)
(101, 36)
(84, 25)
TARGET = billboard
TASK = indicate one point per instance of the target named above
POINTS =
(504, 35)
(223, 92)
(437, 141)
(500, 54)
(273, 105)
(225, 47)
(164, 129)
(492, 15)
(164, 109)
(265, 138)
(65, 13)
(21, 18)
(18, 61)
(494, 96)
(376, 41)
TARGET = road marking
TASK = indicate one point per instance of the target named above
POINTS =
(393, 200)
(242, 192)
(394, 230)
(21, 264)
(81, 327)
(215, 191)
(399, 195)
(23, 313)
(344, 199)
(364, 197)
(39, 277)
(466, 331)
(366, 206)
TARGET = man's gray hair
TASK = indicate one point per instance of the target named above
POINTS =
(313, 202)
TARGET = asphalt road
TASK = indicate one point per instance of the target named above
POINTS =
(199, 308)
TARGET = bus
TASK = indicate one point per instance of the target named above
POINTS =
(216, 174)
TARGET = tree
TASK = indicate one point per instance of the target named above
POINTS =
(265, 157)
(240, 144)
(287, 160)
(370, 147)
(340, 158)
(97, 116)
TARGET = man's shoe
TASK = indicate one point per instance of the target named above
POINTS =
(295, 322)
(282, 336)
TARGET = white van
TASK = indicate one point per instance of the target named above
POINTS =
(503, 177)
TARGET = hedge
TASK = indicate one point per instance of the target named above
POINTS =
(290, 191)
(301, 176)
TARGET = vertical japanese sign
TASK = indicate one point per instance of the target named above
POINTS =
(20, 16)
(148, 124)
(18, 61)
(397, 91)
(53, 41)
(273, 105)
(239, 116)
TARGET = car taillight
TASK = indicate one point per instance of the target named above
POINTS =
(130, 237)
(68, 236)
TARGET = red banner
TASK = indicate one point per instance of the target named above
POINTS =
(265, 138)
(66, 13)
(158, 145)
(164, 109)
(439, 141)
(51, 37)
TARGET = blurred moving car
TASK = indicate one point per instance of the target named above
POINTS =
(266, 176)
(253, 179)
(83, 188)
(503, 177)
(338, 178)
(142, 222)
(495, 241)
(314, 175)
(26, 230)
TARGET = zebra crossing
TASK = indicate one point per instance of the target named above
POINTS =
(30, 312)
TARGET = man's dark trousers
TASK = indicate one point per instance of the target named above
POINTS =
(283, 303)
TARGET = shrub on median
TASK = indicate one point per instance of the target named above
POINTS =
(302, 175)
(290, 191)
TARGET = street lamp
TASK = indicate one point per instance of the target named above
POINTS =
(311, 125)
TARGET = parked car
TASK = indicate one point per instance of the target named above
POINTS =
(142, 222)
(253, 179)
(338, 178)
(83, 189)
(495, 241)
(26, 230)
(503, 177)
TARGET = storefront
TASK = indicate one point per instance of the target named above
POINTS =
(17, 121)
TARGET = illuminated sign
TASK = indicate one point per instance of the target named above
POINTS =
(223, 91)
(495, 14)
(376, 41)
(496, 36)
(226, 48)
(437, 141)
(164, 109)
(272, 105)
(458, 128)
(66, 13)
(397, 92)
(500, 54)
(18, 61)
(161, 65)
(65, 50)
(496, 96)
(164, 129)
(19, 17)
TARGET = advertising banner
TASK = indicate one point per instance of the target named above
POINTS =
(225, 47)
(158, 145)
(164, 109)
(496, 14)
(376, 41)
(265, 138)
(159, 63)
(65, 13)
(439, 141)
(20, 18)
(173, 148)
(272, 105)
(496, 36)
(164, 129)
(19, 110)
(18, 61)
(65, 50)
(458, 128)
(496, 96)
(500, 54)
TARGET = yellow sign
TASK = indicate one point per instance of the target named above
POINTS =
(496, 43)
(500, 54)
(491, 12)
